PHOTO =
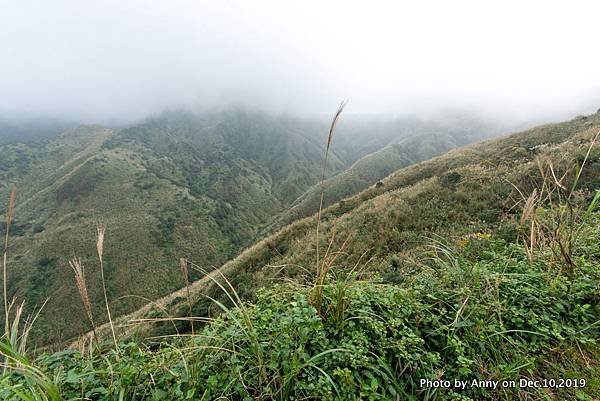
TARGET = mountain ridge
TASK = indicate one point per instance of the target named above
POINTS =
(493, 197)
(177, 185)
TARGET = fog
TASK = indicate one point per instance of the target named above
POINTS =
(120, 60)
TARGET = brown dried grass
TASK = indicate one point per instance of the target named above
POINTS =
(183, 267)
(100, 230)
(322, 268)
(81, 285)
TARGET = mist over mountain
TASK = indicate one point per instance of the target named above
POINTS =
(450, 236)
(114, 61)
(26, 129)
(276, 200)
(197, 185)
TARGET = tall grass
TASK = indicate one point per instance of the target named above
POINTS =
(552, 216)
(321, 271)
(245, 323)
(38, 386)
(100, 229)
(7, 307)
(13, 342)
(273, 384)
(323, 174)
(79, 271)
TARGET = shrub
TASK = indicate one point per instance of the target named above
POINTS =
(484, 313)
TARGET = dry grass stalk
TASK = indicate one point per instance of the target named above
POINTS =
(183, 267)
(558, 227)
(100, 240)
(529, 207)
(9, 218)
(324, 171)
(100, 229)
(79, 271)
(184, 271)
(323, 266)
(557, 182)
(585, 159)
(329, 260)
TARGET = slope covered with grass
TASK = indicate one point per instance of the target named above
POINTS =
(384, 229)
(176, 185)
(386, 146)
(480, 311)
(479, 267)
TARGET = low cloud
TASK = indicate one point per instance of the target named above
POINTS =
(119, 61)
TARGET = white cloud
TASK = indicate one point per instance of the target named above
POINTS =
(125, 59)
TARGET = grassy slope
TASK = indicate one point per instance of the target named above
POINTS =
(387, 227)
(368, 170)
(177, 185)
(483, 312)
(167, 188)
(472, 306)
(398, 143)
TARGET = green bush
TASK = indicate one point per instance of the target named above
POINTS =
(482, 312)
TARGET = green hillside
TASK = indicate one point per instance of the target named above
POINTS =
(385, 228)
(396, 144)
(173, 185)
(201, 187)
(480, 266)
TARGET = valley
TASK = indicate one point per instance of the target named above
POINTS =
(179, 185)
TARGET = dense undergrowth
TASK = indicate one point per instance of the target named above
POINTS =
(477, 308)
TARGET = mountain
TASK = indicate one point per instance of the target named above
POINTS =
(176, 185)
(473, 275)
(197, 186)
(387, 228)
(397, 144)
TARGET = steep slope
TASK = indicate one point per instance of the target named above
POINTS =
(386, 229)
(480, 267)
(176, 185)
(397, 143)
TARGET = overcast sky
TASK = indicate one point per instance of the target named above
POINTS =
(123, 59)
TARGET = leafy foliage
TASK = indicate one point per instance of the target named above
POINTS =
(481, 311)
